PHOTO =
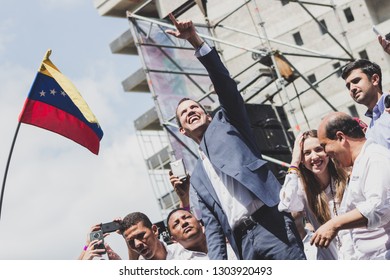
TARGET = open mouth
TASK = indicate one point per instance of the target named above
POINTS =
(193, 119)
(317, 163)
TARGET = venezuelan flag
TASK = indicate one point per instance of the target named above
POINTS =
(55, 104)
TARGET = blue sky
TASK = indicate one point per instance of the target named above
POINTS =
(56, 190)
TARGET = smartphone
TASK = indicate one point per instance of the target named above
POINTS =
(376, 31)
(178, 169)
(110, 227)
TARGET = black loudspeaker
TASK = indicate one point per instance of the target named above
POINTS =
(270, 135)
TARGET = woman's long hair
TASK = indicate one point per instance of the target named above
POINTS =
(316, 197)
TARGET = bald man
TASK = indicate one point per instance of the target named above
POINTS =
(365, 209)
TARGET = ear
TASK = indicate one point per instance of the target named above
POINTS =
(183, 131)
(375, 80)
(340, 136)
(155, 230)
(209, 117)
(201, 226)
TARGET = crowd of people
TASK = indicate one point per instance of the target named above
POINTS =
(335, 198)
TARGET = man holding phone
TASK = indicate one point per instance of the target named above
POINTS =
(180, 181)
(383, 40)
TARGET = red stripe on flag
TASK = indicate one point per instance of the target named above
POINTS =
(51, 118)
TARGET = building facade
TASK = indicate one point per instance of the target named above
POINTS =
(285, 56)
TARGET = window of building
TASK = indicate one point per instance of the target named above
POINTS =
(337, 66)
(298, 39)
(323, 27)
(353, 111)
(363, 54)
(348, 15)
(312, 79)
(285, 2)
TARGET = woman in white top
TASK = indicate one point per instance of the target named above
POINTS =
(314, 187)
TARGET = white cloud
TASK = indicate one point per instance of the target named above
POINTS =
(5, 36)
(56, 189)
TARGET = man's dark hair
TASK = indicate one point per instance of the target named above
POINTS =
(171, 213)
(181, 101)
(369, 68)
(134, 218)
(346, 124)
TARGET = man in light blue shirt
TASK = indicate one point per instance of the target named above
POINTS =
(363, 79)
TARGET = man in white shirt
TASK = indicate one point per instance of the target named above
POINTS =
(365, 207)
(142, 239)
(186, 230)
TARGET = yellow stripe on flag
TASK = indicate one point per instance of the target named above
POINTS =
(49, 69)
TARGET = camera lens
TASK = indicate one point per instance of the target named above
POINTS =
(96, 235)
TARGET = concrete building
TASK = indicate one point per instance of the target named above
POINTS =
(284, 55)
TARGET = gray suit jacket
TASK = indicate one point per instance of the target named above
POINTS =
(229, 144)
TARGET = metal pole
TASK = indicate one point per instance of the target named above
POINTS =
(343, 32)
(272, 40)
(330, 34)
(7, 166)
(280, 81)
(131, 15)
(311, 3)
(311, 86)
(282, 163)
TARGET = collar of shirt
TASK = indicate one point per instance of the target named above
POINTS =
(378, 110)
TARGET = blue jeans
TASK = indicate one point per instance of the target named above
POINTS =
(274, 237)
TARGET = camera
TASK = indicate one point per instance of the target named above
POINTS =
(97, 235)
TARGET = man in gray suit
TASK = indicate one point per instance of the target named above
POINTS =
(238, 195)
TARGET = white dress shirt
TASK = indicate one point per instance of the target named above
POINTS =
(369, 192)
(236, 201)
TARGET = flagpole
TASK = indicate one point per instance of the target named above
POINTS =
(7, 166)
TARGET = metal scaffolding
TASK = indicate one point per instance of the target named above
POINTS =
(270, 68)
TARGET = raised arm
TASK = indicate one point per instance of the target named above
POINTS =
(182, 189)
(384, 43)
(185, 30)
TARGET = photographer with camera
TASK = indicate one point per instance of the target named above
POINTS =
(96, 246)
